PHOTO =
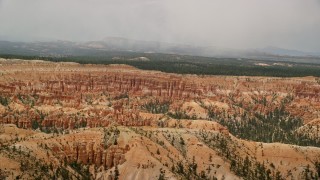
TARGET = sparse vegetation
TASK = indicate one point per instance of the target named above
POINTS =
(247, 167)
(275, 126)
(181, 115)
(156, 106)
(4, 101)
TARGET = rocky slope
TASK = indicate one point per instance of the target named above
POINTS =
(71, 121)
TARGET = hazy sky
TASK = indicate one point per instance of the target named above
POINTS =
(292, 24)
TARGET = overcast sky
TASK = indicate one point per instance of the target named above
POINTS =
(292, 24)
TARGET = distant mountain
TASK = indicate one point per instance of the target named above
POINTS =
(111, 44)
(286, 52)
(123, 44)
(118, 43)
